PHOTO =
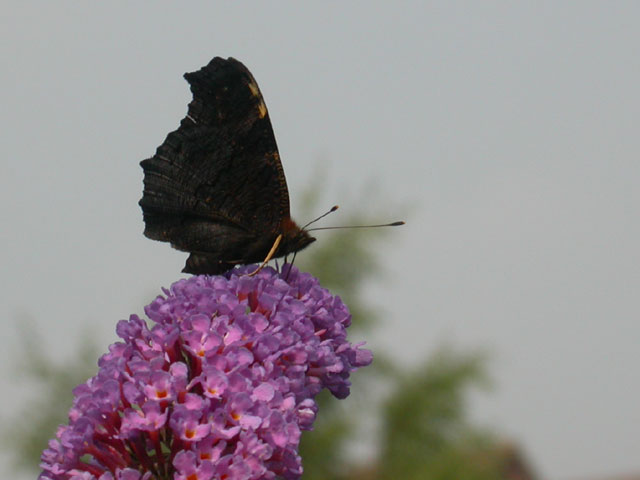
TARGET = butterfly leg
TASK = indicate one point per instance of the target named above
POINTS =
(269, 255)
(286, 279)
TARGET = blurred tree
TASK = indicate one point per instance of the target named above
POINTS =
(343, 260)
(424, 433)
(49, 406)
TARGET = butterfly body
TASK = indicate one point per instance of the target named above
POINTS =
(216, 187)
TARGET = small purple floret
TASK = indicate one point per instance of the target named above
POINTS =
(220, 386)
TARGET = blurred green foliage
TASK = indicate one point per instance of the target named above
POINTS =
(48, 408)
(425, 431)
(421, 415)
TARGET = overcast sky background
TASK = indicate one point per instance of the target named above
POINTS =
(505, 133)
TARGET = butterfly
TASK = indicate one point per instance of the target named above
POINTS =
(216, 188)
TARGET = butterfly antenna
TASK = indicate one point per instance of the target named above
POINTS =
(333, 209)
(392, 224)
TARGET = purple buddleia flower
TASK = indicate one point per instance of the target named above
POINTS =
(220, 385)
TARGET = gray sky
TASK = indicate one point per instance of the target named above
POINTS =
(507, 131)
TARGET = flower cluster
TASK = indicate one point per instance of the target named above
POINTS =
(220, 386)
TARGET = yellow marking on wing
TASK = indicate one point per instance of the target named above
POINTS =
(262, 108)
(254, 89)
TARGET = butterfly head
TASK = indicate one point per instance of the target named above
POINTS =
(294, 238)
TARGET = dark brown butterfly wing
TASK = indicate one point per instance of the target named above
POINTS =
(216, 187)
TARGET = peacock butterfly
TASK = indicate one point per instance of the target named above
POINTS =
(216, 188)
